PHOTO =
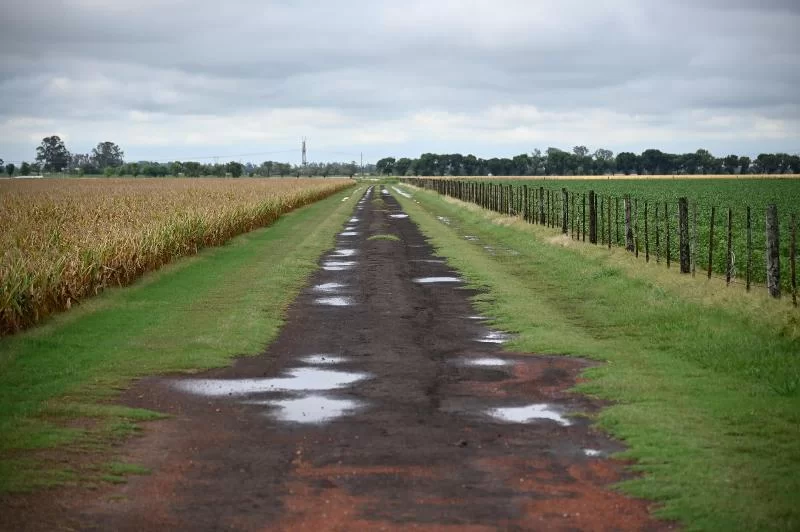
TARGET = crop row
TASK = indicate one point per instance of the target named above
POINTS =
(64, 240)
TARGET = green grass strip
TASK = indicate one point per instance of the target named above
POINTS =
(195, 314)
(706, 396)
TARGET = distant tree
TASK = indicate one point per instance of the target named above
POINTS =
(604, 161)
(558, 161)
(234, 168)
(386, 165)
(744, 164)
(402, 166)
(10, 169)
(1, 162)
(107, 154)
(25, 168)
(627, 163)
(731, 163)
(52, 154)
(654, 162)
(580, 151)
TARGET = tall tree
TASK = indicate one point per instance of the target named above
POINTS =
(386, 165)
(53, 154)
(107, 154)
(402, 165)
(25, 169)
(10, 169)
(627, 163)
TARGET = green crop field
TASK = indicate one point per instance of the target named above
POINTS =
(705, 194)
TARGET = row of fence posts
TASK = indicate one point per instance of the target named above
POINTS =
(517, 201)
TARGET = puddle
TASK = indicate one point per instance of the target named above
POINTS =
(345, 252)
(337, 266)
(324, 359)
(525, 414)
(385, 192)
(350, 228)
(345, 199)
(444, 219)
(471, 238)
(494, 337)
(431, 261)
(298, 379)
(592, 452)
(404, 194)
(429, 280)
(336, 301)
(349, 233)
(398, 216)
(477, 318)
(354, 220)
(311, 409)
(487, 361)
(329, 287)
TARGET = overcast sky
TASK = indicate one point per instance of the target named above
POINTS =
(174, 79)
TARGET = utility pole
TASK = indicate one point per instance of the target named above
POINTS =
(305, 161)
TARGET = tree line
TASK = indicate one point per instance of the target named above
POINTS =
(107, 158)
(580, 161)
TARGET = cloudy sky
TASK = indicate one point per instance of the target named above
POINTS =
(246, 79)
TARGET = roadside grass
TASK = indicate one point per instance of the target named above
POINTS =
(704, 386)
(392, 238)
(58, 380)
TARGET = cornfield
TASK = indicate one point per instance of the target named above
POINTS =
(65, 240)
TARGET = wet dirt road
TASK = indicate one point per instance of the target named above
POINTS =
(384, 404)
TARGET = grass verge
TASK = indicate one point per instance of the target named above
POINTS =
(57, 381)
(705, 390)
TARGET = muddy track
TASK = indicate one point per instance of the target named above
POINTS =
(384, 404)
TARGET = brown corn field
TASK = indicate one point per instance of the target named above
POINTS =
(63, 240)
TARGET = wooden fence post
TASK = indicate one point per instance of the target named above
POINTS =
(694, 236)
(793, 258)
(628, 225)
(666, 232)
(592, 218)
(583, 218)
(646, 236)
(711, 241)
(572, 216)
(636, 227)
(683, 234)
(729, 259)
(749, 273)
(564, 210)
(773, 252)
(616, 220)
(601, 220)
(609, 222)
(541, 205)
(658, 245)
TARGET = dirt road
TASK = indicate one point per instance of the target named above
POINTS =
(384, 404)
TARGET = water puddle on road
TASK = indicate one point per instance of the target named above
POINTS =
(398, 216)
(324, 359)
(430, 280)
(592, 452)
(486, 362)
(336, 301)
(494, 337)
(345, 252)
(298, 379)
(429, 261)
(329, 287)
(404, 194)
(354, 220)
(337, 266)
(477, 318)
(311, 409)
(349, 233)
(527, 414)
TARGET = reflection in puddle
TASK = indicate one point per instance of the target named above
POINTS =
(345, 252)
(427, 280)
(354, 220)
(349, 228)
(487, 361)
(398, 216)
(477, 318)
(297, 380)
(430, 261)
(494, 337)
(324, 359)
(311, 409)
(337, 266)
(329, 287)
(592, 452)
(336, 301)
(349, 233)
(525, 414)
(404, 194)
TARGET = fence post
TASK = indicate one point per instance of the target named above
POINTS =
(636, 227)
(749, 273)
(658, 236)
(711, 240)
(694, 236)
(583, 218)
(601, 220)
(616, 220)
(683, 234)
(666, 231)
(730, 248)
(541, 205)
(793, 258)
(572, 216)
(773, 252)
(525, 212)
(609, 222)
(628, 225)
(564, 210)
(592, 218)
(646, 236)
